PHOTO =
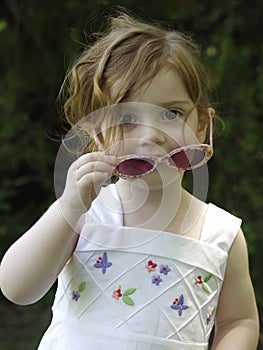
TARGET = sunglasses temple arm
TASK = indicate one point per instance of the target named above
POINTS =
(101, 149)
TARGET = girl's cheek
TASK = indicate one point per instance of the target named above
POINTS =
(190, 135)
(126, 146)
(129, 145)
(181, 134)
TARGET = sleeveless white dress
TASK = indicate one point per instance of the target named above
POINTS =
(129, 288)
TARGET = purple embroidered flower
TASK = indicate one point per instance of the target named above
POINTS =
(208, 319)
(164, 269)
(103, 263)
(178, 304)
(156, 280)
(75, 295)
(210, 316)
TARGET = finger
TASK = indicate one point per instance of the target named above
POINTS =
(94, 167)
(94, 178)
(95, 156)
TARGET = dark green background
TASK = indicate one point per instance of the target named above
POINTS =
(39, 39)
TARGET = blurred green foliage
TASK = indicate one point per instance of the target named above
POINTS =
(38, 40)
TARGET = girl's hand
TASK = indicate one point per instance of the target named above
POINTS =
(84, 181)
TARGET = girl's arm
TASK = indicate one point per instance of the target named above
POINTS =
(32, 264)
(237, 324)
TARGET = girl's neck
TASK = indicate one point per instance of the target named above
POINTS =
(170, 209)
(155, 208)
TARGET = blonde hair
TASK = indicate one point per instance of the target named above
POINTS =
(120, 62)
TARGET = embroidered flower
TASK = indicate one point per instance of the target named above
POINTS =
(208, 318)
(117, 294)
(165, 269)
(178, 304)
(200, 281)
(76, 293)
(156, 280)
(151, 266)
(210, 315)
(103, 263)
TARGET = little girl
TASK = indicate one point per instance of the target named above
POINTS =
(141, 263)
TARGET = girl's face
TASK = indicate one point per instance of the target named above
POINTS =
(158, 118)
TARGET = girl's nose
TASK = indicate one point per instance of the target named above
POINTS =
(150, 135)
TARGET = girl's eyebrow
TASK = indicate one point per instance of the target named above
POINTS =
(171, 103)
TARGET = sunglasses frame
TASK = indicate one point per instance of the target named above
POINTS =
(167, 158)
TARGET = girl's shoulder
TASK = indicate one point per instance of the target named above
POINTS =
(220, 227)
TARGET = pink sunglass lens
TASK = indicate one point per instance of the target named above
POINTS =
(188, 158)
(134, 167)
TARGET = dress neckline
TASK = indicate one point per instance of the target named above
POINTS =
(120, 221)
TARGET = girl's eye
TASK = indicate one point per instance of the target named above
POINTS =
(172, 114)
(128, 122)
(128, 119)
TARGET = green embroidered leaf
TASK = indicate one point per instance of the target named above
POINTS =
(206, 288)
(213, 311)
(128, 300)
(207, 278)
(129, 291)
(82, 287)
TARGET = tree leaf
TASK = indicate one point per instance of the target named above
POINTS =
(82, 287)
(3, 25)
(129, 291)
(128, 300)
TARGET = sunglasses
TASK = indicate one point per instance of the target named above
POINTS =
(183, 158)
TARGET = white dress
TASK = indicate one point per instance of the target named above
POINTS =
(129, 288)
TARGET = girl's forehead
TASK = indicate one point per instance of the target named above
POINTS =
(165, 88)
